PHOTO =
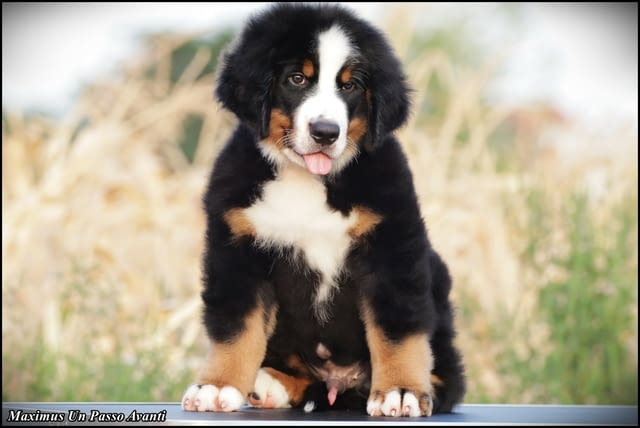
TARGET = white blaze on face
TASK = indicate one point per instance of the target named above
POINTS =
(334, 48)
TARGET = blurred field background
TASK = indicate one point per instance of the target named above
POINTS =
(102, 228)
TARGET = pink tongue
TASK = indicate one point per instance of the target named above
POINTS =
(333, 393)
(317, 163)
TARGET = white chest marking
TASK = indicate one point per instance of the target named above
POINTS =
(293, 212)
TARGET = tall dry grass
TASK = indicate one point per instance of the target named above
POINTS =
(102, 226)
(102, 220)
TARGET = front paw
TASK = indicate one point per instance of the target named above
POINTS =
(400, 402)
(210, 398)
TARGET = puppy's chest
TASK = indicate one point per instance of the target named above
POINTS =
(293, 213)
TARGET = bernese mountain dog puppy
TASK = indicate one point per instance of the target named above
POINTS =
(321, 289)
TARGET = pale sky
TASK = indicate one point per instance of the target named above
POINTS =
(582, 57)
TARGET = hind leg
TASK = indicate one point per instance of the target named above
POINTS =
(447, 375)
(448, 371)
(274, 389)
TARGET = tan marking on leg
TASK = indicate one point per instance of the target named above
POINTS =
(345, 76)
(239, 224)
(366, 220)
(435, 380)
(295, 386)
(294, 362)
(403, 364)
(279, 125)
(236, 362)
(357, 128)
(271, 319)
(307, 68)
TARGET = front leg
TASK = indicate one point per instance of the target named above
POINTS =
(239, 313)
(400, 379)
(231, 367)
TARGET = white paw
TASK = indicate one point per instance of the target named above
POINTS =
(268, 392)
(393, 403)
(209, 398)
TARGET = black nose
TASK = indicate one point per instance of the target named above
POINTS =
(324, 132)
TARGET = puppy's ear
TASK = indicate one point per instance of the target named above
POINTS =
(265, 111)
(244, 85)
(388, 98)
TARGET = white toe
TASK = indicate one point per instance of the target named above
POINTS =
(309, 406)
(205, 400)
(373, 407)
(410, 405)
(188, 399)
(230, 399)
(391, 404)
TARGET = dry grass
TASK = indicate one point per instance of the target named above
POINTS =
(102, 222)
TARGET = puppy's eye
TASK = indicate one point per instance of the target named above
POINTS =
(298, 79)
(348, 86)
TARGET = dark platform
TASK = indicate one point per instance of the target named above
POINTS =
(171, 414)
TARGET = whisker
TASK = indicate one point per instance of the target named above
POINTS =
(352, 145)
(288, 137)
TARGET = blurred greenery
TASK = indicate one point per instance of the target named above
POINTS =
(191, 136)
(589, 312)
(89, 376)
(185, 52)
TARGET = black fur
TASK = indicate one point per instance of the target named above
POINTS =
(395, 270)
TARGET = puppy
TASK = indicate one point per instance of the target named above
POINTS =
(317, 261)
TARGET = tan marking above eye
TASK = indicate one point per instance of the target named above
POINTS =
(307, 68)
(345, 76)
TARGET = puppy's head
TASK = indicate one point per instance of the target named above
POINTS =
(317, 84)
